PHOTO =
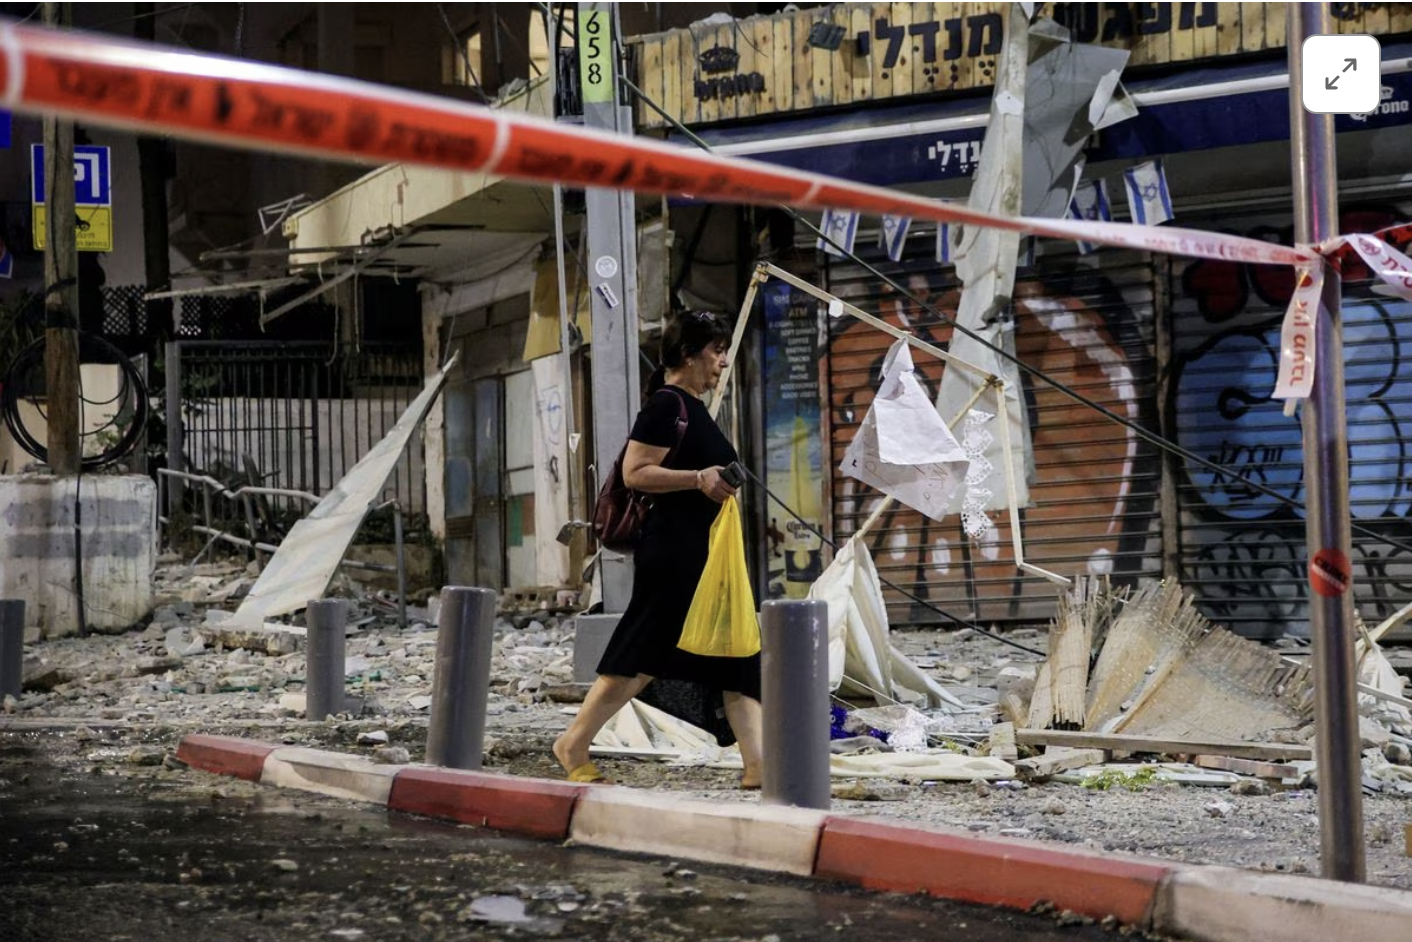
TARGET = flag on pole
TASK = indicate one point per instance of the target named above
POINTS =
(1148, 197)
(1090, 203)
(943, 243)
(893, 236)
(842, 228)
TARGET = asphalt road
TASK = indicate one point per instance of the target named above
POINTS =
(99, 843)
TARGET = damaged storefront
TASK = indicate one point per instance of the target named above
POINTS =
(1189, 119)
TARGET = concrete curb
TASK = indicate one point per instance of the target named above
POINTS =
(1200, 903)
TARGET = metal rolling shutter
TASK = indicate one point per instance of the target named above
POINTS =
(1243, 552)
(1085, 322)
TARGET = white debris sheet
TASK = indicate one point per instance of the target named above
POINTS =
(308, 556)
(862, 661)
(904, 448)
(644, 732)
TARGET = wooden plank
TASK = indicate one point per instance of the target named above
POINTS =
(859, 67)
(967, 72)
(781, 74)
(1376, 18)
(820, 64)
(803, 63)
(1252, 27)
(747, 102)
(651, 80)
(1399, 18)
(1059, 760)
(901, 18)
(1227, 29)
(671, 100)
(1353, 24)
(1276, 25)
(881, 78)
(917, 47)
(1147, 48)
(1204, 39)
(762, 31)
(1240, 750)
(1181, 43)
(841, 59)
(702, 38)
(1246, 766)
(725, 37)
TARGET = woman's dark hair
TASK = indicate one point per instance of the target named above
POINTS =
(685, 335)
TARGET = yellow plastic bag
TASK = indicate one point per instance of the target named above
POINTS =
(722, 620)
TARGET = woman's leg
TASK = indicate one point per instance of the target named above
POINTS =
(607, 696)
(743, 713)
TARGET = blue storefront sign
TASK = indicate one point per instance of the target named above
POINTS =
(938, 141)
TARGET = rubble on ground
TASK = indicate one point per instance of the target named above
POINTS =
(187, 671)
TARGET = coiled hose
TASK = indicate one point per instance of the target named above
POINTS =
(127, 409)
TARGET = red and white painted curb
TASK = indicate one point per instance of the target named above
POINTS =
(1201, 903)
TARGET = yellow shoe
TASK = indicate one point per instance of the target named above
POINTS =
(587, 774)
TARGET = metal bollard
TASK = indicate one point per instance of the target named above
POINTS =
(461, 684)
(12, 646)
(325, 647)
(794, 699)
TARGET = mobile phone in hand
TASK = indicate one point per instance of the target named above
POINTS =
(733, 474)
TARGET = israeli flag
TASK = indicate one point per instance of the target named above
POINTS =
(1090, 203)
(893, 236)
(943, 243)
(1148, 197)
(842, 228)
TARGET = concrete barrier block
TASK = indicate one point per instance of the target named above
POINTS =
(533, 807)
(225, 755)
(1222, 904)
(765, 837)
(906, 858)
(329, 773)
(119, 549)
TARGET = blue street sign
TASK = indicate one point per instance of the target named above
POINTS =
(93, 180)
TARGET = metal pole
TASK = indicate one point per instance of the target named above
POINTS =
(401, 565)
(324, 677)
(12, 646)
(794, 698)
(612, 275)
(1328, 530)
(175, 459)
(461, 683)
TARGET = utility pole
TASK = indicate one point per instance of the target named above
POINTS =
(1328, 530)
(156, 238)
(612, 275)
(61, 377)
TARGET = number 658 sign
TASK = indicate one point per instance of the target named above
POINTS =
(595, 56)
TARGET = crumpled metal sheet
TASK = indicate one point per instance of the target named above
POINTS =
(308, 557)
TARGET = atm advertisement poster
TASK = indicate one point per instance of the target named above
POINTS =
(794, 447)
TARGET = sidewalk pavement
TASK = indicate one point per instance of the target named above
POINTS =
(1201, 903)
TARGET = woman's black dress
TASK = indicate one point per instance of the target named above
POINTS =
(667, 564)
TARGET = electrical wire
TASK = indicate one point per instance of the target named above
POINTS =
(1147, 435)
(891, 585)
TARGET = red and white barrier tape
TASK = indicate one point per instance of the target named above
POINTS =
(209, 98)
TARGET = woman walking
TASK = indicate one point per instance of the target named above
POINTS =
(685, 480)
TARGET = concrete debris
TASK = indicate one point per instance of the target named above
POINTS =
(189, 667)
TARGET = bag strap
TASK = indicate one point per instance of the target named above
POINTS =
(681, 424)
